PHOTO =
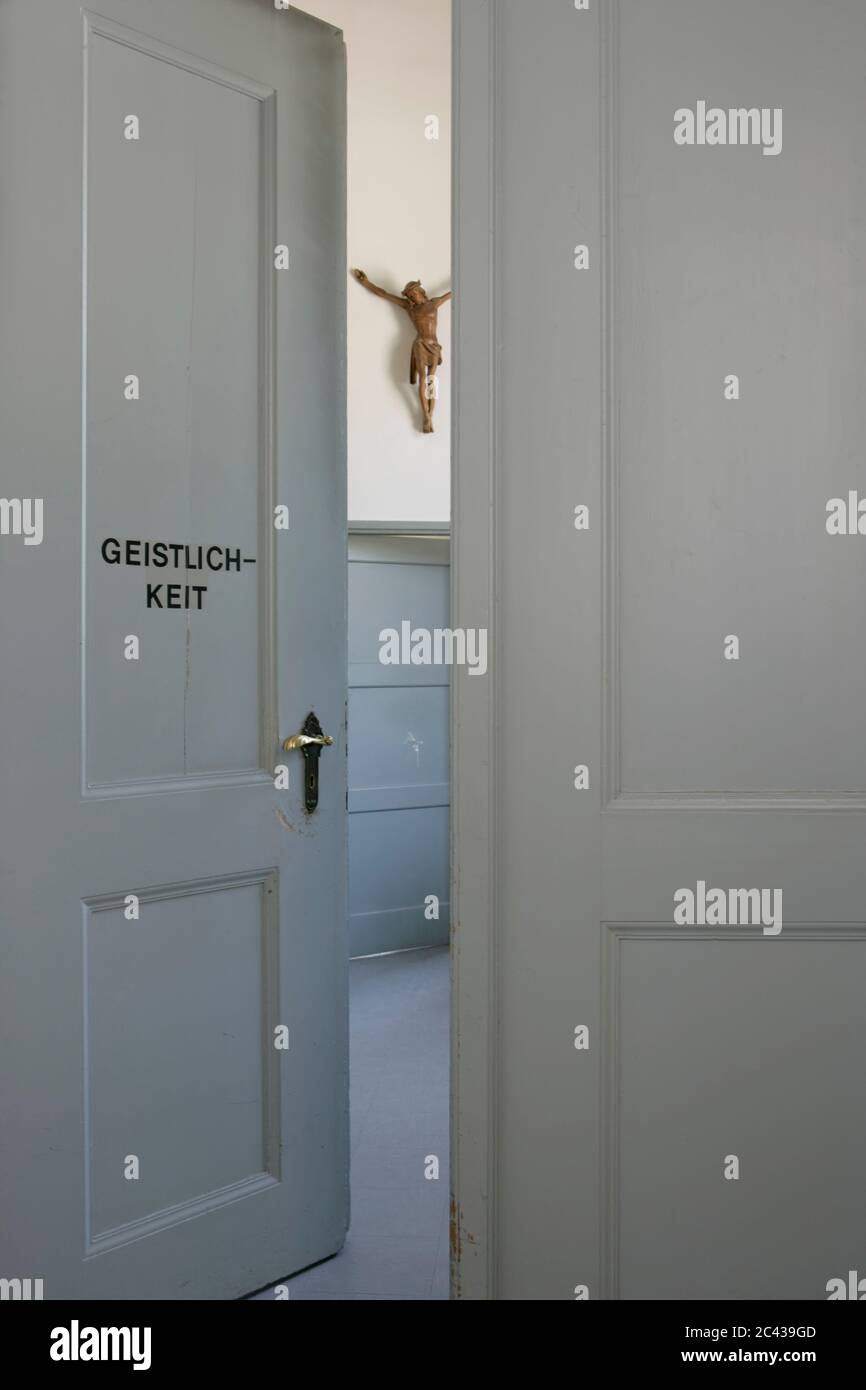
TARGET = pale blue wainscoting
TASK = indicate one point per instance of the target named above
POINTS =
(398, 748)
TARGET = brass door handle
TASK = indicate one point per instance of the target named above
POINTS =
(304, 741)
(310, 741)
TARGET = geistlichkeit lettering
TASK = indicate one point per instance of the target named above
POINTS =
(176, 555)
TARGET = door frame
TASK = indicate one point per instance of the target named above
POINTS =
(475, 737)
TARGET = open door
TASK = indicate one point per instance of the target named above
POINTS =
(172, 561)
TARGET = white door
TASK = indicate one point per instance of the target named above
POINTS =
(678, 1098)
(174, 1060)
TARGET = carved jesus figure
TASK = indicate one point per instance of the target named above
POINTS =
(426, 349)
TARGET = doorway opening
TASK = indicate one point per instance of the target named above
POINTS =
(398, 556)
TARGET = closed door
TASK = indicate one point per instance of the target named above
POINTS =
(680, 931)
(173, 919)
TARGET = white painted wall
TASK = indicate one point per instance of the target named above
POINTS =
(399, 214)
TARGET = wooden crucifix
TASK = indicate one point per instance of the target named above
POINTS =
(426, 349)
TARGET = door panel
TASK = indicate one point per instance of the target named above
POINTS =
(205, 1058)
(715, 1054)
(177, 250)
(707, 519)
(730, 772)
(728, 261)
(164, 907)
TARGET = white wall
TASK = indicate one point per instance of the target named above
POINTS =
(399, 211)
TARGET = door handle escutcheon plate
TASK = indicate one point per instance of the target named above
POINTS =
(310, 741)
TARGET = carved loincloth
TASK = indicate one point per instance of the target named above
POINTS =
(426, 357)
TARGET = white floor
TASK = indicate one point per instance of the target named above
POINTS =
(397, 1247)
